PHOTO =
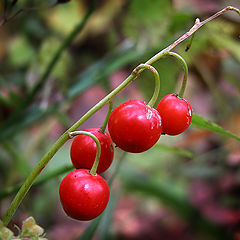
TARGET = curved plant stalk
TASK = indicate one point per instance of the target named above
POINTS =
(59, 143)
(185, 67)
(103, 127)
(142, 67)
(93, 170)
(194, 28)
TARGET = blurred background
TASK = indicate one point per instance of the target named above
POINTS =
(186, 187)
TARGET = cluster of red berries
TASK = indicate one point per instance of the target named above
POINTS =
(85, 196)
(134, 127)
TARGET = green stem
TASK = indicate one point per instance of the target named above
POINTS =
(59, 143)
(185, 67)
(142, 67)
(30, 179)
(55, 147)
(93, 170)
(103, 128)
(198, 24)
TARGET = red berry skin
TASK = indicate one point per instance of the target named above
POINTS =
(134, 126)
(84, 149)
(176, 114)
(83, 196)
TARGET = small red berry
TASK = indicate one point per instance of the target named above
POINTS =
(83, 150)
(176, 114)
(134, 126)
(83, 196)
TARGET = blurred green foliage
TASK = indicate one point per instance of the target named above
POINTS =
(116, 37)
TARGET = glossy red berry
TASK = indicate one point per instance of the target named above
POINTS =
(176, 114)
(134, 126)
(83, 150)
(83, 196)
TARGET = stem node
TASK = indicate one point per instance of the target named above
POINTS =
(70, 135)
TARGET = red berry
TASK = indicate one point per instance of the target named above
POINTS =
(134, 126)
(83, 150)
(176, 114)
(83, 196)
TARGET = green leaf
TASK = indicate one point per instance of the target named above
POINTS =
(201, 122)
(176, 150)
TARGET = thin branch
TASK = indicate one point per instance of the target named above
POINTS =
(199, 24)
